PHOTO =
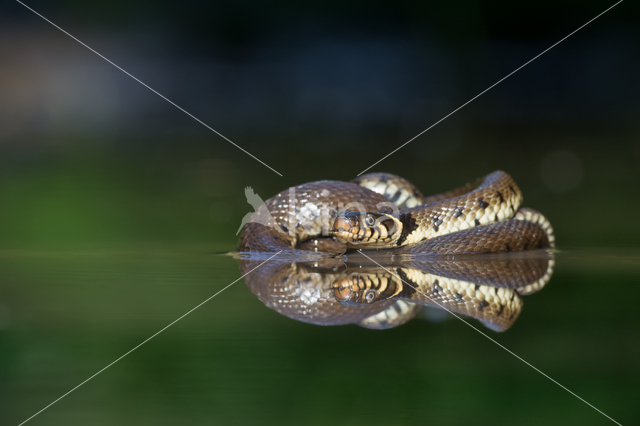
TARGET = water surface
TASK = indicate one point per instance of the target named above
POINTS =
(66, 315)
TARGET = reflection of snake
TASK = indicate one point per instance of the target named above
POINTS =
(329, 292)
(386, 211)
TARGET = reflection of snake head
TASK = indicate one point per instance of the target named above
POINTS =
(359, 289)
(373, 229)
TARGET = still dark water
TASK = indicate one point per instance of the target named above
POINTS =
(66, 315)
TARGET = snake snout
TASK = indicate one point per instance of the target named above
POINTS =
(346, 227)
(348, 294)
(342, 224)
(343, 293)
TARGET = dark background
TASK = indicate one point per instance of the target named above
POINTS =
(112, 202)
(319, 90)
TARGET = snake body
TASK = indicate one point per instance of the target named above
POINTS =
(384, 211)
(389, 213)
(330, 292)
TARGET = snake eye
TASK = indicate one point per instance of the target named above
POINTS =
(369, 220)
(370, 296)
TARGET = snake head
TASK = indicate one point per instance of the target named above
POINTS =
(366, 228)
(363, 289)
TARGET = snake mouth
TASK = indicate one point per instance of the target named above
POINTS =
(365, 228)
(364, 289)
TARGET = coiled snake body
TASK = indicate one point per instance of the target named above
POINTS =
(332, 292)
(388, 213)
(384, 211)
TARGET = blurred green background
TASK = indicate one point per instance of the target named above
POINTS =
(113, 205)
